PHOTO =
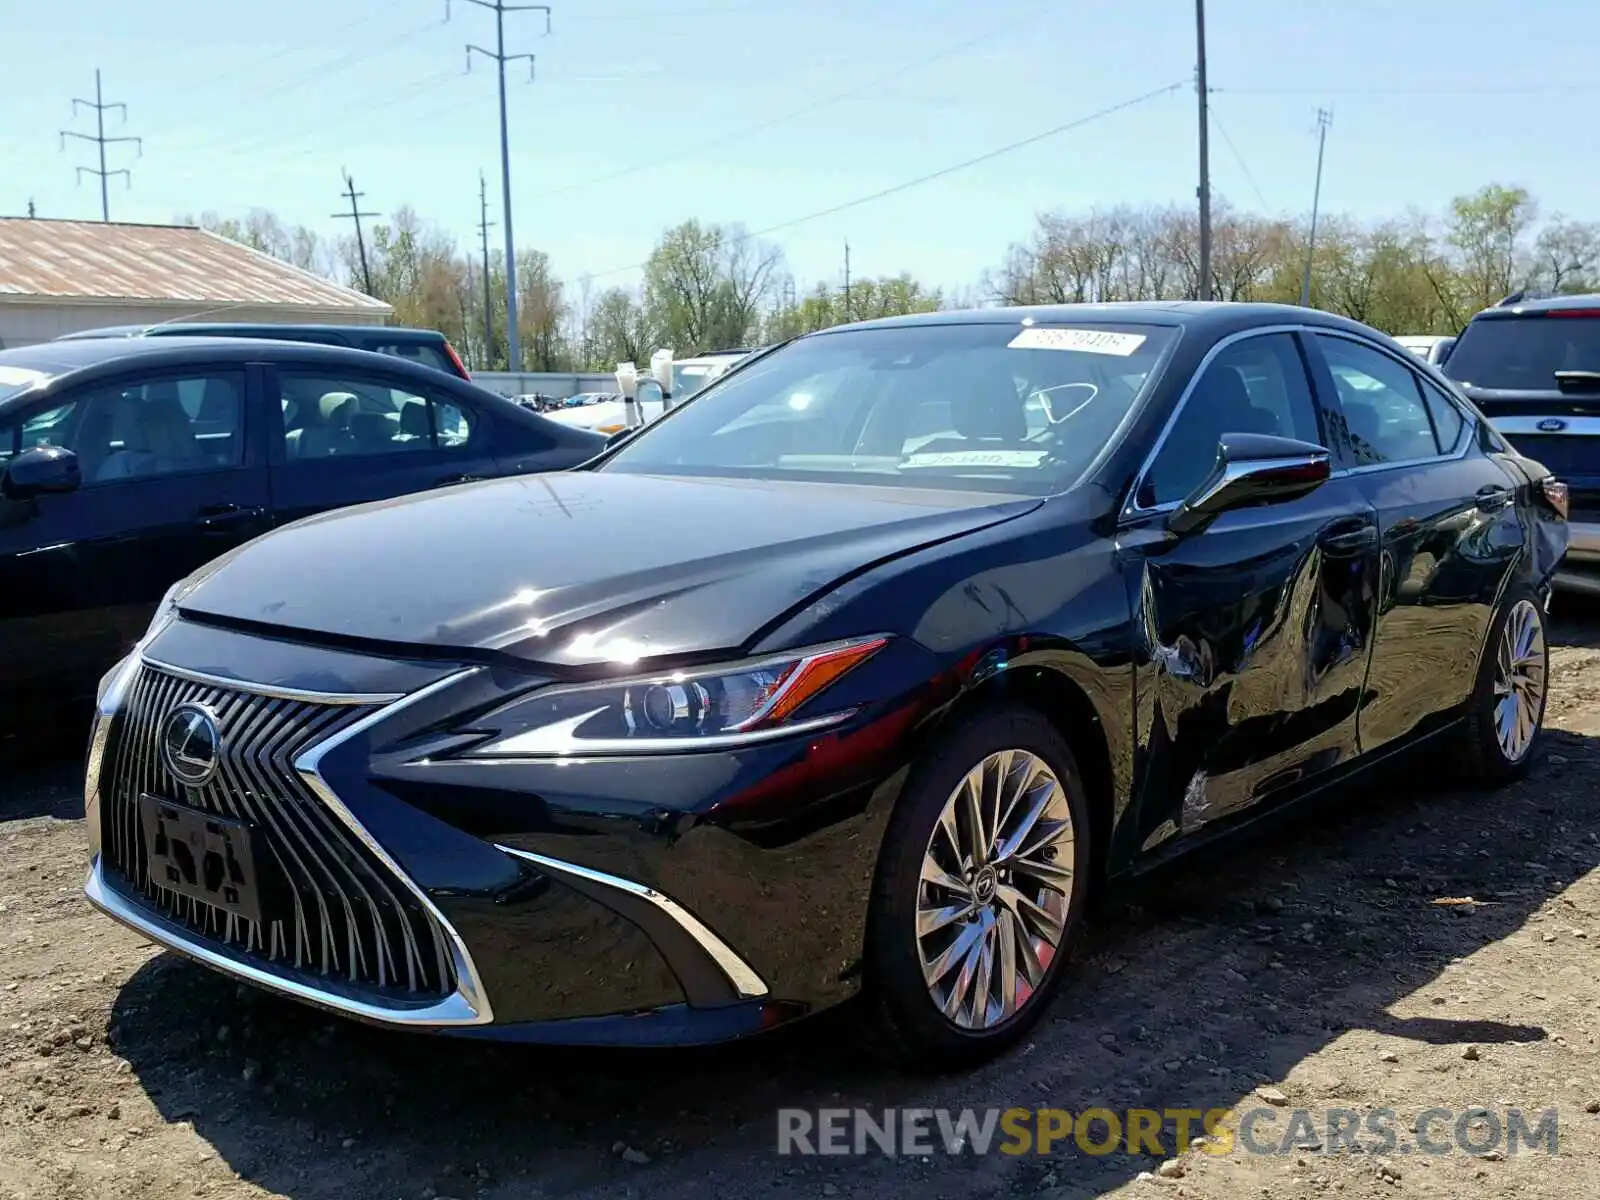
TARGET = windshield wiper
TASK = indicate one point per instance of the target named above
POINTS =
(1581, 383)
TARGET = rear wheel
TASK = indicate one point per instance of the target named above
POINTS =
(1506, 712)
(979, 891)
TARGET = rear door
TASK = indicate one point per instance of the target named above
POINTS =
(1449, 526)
(1256, 631)
(341, 436)
(174, 474)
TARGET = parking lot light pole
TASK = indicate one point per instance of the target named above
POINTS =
(500, 9)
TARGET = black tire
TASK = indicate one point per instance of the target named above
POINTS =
(1484, 761)
(911, 1028)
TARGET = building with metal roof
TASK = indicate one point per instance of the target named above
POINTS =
(60, 277)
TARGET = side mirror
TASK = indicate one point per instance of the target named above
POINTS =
(41, 471)
(618, 437)
(1443, 355)
(1251, 469)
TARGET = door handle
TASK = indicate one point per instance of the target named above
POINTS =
(1345, 539)
(222, 517)
(1491, 498)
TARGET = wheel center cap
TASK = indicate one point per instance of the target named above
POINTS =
(983, 885)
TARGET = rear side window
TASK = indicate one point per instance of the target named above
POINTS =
(1524, 353)
(1382, 403)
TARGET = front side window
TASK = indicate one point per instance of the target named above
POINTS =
(125, 431)
(984, 407)
(1382, 403)
(326, 417)
(1256, 385)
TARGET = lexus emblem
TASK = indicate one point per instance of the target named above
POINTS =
(190, 744)
(1552, 425)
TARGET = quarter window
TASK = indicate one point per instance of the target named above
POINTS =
(1256, 385)
(327, 417)
(1447, 418)
(1382, 403)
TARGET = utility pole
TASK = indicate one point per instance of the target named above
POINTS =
(500, 8)
(1324, 119)
(100, 106)
(847, 281)
(1205, 151)
(488, 296)
(355, 214)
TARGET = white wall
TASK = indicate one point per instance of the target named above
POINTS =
(27, 324)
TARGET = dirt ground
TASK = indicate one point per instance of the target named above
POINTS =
(1310, 969)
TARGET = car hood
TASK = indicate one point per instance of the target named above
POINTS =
(607, 415)
(577, 568)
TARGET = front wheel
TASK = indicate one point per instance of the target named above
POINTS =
(1506, 712)
(980, 888)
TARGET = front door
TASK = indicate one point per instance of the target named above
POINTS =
(171, 478)
(351, 436)
(1256, 630)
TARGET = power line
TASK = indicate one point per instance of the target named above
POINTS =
(931, 176)
(761, 126)
(500, 8)
(1238, 158)
(100, 107)
(355, 214)
(235, 70)
(1391, 93)
(228, 143)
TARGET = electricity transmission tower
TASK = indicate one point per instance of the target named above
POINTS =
(99, 136)
(355, 214)
(500, 8)
(484, 225)
(1324, 119)
(1205, 149)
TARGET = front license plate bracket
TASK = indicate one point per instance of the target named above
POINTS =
(202, 856)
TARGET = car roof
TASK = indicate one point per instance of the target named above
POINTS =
(1212, 316)
(178, 328)
(94, 356)
(1542, 304)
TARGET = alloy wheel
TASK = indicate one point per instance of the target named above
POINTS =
(995, 889)
(1519, 681)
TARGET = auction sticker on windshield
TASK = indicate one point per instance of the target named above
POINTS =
(1089, 341)
(978, 458)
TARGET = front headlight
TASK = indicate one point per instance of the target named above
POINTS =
(700, 708)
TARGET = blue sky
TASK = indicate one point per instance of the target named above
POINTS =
(239, 109)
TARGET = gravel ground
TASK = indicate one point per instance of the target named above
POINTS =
(1309, 969)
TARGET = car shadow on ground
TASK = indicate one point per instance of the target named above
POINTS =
(40, 769)
(1228, 971)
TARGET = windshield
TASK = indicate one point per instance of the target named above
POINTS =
(1524, 353)
(16, 380)
(990, 407)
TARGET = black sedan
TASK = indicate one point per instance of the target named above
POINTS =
(866, 669)
(126, 463)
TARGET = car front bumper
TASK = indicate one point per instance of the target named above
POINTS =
(676, 900)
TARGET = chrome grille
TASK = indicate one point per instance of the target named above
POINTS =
(340, 914)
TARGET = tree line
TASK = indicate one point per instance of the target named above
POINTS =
(709, 286)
